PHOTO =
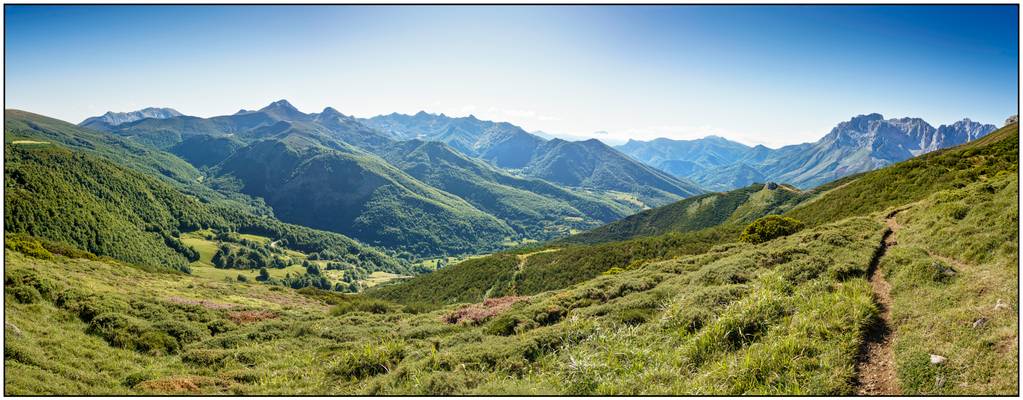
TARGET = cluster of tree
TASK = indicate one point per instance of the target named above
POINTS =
(313, 277)
(248, 258)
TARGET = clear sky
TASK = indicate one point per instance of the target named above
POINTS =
(757, 74)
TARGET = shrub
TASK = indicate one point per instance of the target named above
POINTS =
(208, 358)
(368, 361)
(364, 304)
(31, 282)
(769, 227)
(136, 378)
(25, 294)
(28, 247)
(181, 331)
(157, 343)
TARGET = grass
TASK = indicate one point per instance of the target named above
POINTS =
(667, 327)
(969, 316)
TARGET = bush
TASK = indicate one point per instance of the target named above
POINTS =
(769, 227)
(364, 304)
(181, 331)
(157, 343)
(25, 294)
(368, 361)
(206, 358)
(28, 247)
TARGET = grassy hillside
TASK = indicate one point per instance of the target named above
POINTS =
(955, 276)
(90, 203)
(699, 212)
(645, 331)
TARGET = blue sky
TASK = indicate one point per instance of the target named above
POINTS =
(770, 75)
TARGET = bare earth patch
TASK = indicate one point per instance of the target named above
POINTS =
(476, 313)
(205, 303)
(246, 317)
(181, 384)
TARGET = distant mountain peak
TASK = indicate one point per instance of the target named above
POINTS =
(331, 112)
(282, 109)
(112, 118)
(279, 105)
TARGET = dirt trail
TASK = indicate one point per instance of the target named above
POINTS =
(876, 366)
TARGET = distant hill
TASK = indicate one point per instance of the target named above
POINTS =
(593, 164)
(22, 125)
(698, 212)
(533, 207)
(863, 143)
(256, 153)
(686, 157)
(501, 143)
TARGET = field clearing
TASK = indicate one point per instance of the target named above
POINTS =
(379, 277)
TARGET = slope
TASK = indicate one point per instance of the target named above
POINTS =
(865, 194)
(90, 203)
(534, 208)
(699, 212)
(358, 194)
(21, 125)
(595, 165)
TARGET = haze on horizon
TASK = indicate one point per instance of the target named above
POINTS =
(770, 75)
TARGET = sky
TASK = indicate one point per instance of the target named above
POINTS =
(772, 75)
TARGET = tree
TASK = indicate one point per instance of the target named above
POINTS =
(312, 269)
(218, 259)
(264, 275)
(769, 227)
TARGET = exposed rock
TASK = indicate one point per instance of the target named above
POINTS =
(936, 359)
(14, 329)
(999, 305)
(1012, 119)
(979, 322)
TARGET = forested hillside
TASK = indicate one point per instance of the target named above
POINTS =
(92, 204)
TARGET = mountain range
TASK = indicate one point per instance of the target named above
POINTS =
(331, 171)
(864, 143)
(430, 185)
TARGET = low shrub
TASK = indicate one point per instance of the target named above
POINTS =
(369, 360)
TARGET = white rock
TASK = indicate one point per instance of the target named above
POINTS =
(936, 359)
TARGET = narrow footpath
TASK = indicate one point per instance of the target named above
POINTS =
(876, 366)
